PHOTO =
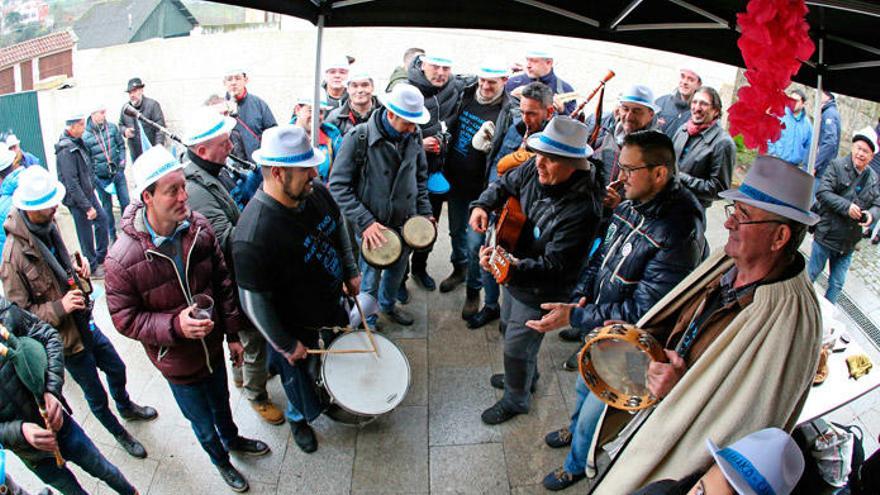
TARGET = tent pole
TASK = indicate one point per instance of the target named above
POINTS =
(316, 95)
(817, 109)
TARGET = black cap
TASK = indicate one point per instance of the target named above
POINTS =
(134, 83)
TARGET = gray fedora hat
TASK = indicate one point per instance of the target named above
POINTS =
(778, 187)
(563, 136)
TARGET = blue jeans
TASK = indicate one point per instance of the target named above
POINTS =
(382, 283)
(106, 198)
(838, 266)
(92, 234)
(206, 405)
(84, 366)
(298, 388)
(77, 448)
(584, 420)
(465, 242)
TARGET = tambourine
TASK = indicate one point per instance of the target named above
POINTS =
(386, 254)
(419, 233)
(614, 365)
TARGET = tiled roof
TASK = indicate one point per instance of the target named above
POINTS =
(27, 50)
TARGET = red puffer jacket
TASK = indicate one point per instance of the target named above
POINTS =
(145, 293)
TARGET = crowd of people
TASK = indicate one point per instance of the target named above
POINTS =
(272, 232)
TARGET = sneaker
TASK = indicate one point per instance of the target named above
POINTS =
(875, 240)
(304, 436)
(233, 478)
(570, 335)
(561, 479)
(131, 445)
(497, 381)
(403, 293)
(399, 316)
(572, 364)
(135, 412)
(483, 317)
(498, 414)
(248, 447)
(425, 280)
(268, 411)
(471, 303)
(558, 439)
(98, 273)
(456, 278)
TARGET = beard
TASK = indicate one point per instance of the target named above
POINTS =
(287, 187)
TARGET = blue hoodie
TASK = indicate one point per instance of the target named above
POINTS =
(7, 187)
(793, 145)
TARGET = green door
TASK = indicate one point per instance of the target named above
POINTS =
(20, 115)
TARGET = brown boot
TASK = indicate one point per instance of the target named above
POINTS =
(268, 411)
(471, 303)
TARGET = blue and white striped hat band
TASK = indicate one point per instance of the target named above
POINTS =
(437, 59)
(563, 137)
(287, 146)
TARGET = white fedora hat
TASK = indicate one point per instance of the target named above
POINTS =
(74, 117)
(492, 70)
(540, 53)
(205, 124)
(234, 71)
(151, 166)
(325, 105)
(340, 62)
(287, 146)
(37, 190)
(640, 95)
(358, 74)
(775, 186)
(765, 462)
(563, 136)
(406, 102)
(12, 140)
(437, 58)
(7, 156)
(869, 135)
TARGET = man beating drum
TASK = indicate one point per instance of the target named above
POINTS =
(294, 263)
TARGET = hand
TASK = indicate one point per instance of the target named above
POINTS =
(39, 438)
(54, 410)
(128, 132)
(517, 91)
(663, 376)
(869, 221)
(298, 353)
(612, 195)
(431, 145)
(236, 353)
(558, 317)
(479, 220)
(373, 235)
(582, 302)
(558, 104)
(191, 327)
(855, 212)
(91, 214)
(83, 271)
(352, 286)
(73, 300)
(485, 254)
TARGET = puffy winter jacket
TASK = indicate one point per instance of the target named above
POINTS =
(103, 142)
(836, 230)
(145, 293)
(443, 105)
(793, 145)
(648, 249)
(7, 187)
(75, 172)
(705, 161)
(829, 137)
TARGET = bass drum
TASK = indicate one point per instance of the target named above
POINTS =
(363, 387)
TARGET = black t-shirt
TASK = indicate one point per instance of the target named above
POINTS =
(465, 166)
(296, 256)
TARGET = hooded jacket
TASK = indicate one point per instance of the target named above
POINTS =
(74, 169)
(829, 137)
(793, 144)
(442, 103)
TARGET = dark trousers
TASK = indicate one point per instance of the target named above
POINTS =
(106, 198)
(92, 234)
(206, 405)
(420, 258)
(521, 346)
(83, 367)
(77, 448)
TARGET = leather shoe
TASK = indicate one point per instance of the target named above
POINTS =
(497, 381)
(471, 303)
(570, 335)
(131, 445)
(561, 479)
(483, 317)
(455, 279)
(233, 478)
(425, 280)
(558, 439)
(571, 364)
(304, 436)
(498, 414)
(399, 316)
(135, 412)
(248, 447)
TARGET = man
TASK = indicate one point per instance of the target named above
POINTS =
(793, 145)
(536, 109)
(635, 110)
(335, 76)
(484, 107)
(829, 135)
(359, 105)
(329, 137)
(539, 67)
(107, 152)
(848, 200)
(704, 151)
(253, 116)
(9, 173)
(739, 314)
(134, 131)
(656, 237)
(675, 107)
(74, 168)
(400, 73)
(22, 157)
(432, 75)
(209, 193)
(294, 218)
(380, 181)
(561, 203)
(24, 431)
(164, 257)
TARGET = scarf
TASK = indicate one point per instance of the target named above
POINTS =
(694, 129)
(488, 101)
(390, 132)
(49, 242)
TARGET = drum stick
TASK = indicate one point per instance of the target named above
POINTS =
(338, 351)
(357, 303)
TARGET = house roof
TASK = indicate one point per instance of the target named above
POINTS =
(27, 50)
(107, 23)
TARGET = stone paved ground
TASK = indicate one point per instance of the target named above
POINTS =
(433, 443)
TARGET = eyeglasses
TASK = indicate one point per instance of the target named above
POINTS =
(731, 213)
(628, 170)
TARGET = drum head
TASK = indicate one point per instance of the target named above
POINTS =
(419, 233)
(386, 254)
(366, 384)
(621, 365)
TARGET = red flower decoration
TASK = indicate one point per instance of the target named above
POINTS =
(774, 40)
